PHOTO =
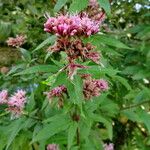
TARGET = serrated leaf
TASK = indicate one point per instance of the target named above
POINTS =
(145, 118)
(51, 80)
(61, 79)
(71, 134)
(15, 68)
(99, 118)
(31, 103)
(131, 115)
(78, 5)
(123, 81)
(76, 85)
(38, 69)
(16, 127)
(49, 40)
(53, 118)
(56, 126)
(59, 5)
(25, 54)
(108, 40)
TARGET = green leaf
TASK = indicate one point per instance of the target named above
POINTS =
(99, 118)
(25, 54)
(38, 69)
(59, 5)
(50, 80)
(131, 115)
(61, 79)
(85, 126)
(105, 4)
(31, 104)
(78, 5)
(49, 40)
(56, 126)
(15, 128)
(54, 118)
(105, 106)
(76, 86)
(123, 81)
(108, 40)
(71, 134)
(99, 71)
(15, 68)
(145, 118)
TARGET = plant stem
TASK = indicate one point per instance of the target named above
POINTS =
(136, 105)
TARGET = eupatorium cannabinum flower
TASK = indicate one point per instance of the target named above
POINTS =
(17, 102)
(52, 147)
(56, 92)
(76, 49)
(102, 84)
(92, 87)
(109, 146)
(70, 25)
(16, 42)
(3, 97)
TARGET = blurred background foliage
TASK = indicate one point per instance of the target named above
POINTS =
(127, 67)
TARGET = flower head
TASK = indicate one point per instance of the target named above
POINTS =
(17, 102)
(16, 42)
(102, 84)
(56, 92)
(70, 25)
(90, 89)
(93, 88)
(94, 56)
(3, 96)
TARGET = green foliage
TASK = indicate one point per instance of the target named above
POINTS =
(59, 5)
(78, 5)
(105, 4)
(120, 116)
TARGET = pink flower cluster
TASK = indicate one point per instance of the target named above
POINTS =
(93, 88)
(16, 42)
(70, 29)
(68, 25)
(15, 103)
(56, 92)
(52, 147)
(3, 97)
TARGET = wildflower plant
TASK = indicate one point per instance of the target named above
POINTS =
(64, 94)
(73, 88)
